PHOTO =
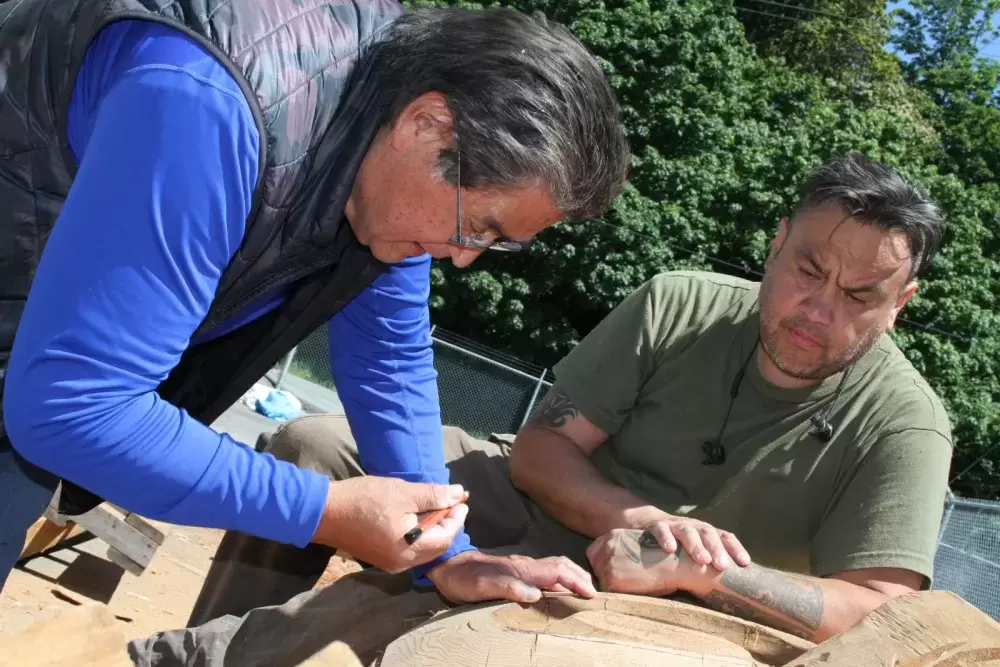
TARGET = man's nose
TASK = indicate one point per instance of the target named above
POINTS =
(818, 308)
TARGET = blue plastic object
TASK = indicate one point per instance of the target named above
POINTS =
(279, 406)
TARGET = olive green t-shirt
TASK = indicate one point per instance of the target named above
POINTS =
(657, 375)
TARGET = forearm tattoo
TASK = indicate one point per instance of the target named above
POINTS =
(555, 410)
(784, 601)
(642, 548)
(788, 602)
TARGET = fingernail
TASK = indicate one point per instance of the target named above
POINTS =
(530, 593)
(725, 561)
(456, 491)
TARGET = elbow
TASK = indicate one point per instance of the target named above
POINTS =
(20, 410)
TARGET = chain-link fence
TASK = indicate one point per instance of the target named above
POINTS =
(484, 391)
(968, 555)
(481, 390)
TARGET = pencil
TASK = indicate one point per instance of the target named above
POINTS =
(430, 520)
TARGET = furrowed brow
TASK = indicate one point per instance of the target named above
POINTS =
(808, 255)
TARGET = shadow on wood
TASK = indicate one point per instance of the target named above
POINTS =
(87, 636)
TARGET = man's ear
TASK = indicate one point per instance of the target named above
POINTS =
(425, 120)
(779, 240)
(901, 300)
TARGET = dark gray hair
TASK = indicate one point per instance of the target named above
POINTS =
(875, 194)
(530, 103)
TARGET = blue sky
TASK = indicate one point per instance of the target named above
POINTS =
(989, 49)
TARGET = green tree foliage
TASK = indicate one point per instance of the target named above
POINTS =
(841, 40)
(726, 112)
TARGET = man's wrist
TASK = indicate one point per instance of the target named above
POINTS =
(442, 566)
(326, 530)
(421, 574)
(698, 580)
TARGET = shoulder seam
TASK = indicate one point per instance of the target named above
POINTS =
(918, 429)
(707, 277)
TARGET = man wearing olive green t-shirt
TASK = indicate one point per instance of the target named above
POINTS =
(732, 420)
(763, 447)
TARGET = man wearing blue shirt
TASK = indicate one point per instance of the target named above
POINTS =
(190, 188)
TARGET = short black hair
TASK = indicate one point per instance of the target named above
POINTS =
(878, 195)
(530, 103)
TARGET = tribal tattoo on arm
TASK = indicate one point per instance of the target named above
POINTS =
(555, 410)
(785, 601)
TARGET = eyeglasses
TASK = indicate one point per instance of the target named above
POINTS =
(477, 241)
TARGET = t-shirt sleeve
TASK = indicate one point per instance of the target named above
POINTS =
(890, 513)
(605, 372)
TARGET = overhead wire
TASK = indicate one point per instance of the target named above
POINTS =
(810, 10)
(972, 465)
(819, 12)
(761, 13)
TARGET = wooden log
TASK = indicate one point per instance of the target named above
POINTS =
(337, 654)
(85, 636)
(930, 629)
(611, 630)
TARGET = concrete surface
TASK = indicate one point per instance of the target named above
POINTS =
(244, 425)
(315, 398)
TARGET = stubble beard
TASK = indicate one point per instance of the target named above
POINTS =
(824, 367)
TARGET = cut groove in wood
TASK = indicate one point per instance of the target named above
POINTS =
(610, 630)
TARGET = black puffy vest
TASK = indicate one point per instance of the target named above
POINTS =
(301, 65)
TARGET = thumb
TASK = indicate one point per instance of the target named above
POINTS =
(506, 587)
(429, 497)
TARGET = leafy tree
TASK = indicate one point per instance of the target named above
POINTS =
(841, 40)
(940, 42)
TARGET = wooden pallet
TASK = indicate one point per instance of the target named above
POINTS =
(132, 541)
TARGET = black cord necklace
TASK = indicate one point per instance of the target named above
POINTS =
(715, 453)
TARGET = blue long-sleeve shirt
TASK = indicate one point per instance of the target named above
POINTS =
(167, 153)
